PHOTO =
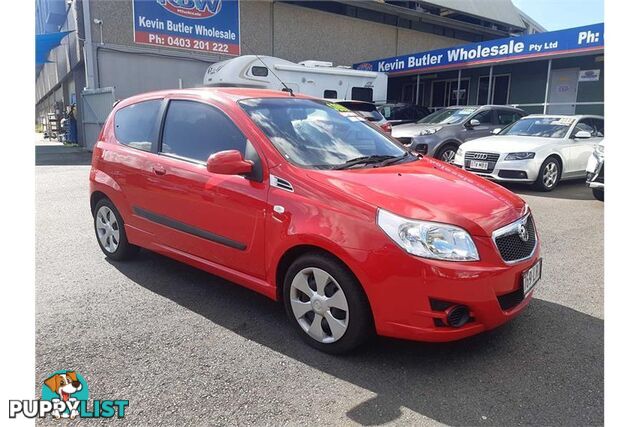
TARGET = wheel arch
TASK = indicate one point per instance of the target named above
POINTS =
(445, 143)
(560, 160)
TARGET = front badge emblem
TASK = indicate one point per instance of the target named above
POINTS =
(523, 233)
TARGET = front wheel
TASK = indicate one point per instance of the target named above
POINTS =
(447, 153)
(549, 175)
(598, 193)
(326, 304)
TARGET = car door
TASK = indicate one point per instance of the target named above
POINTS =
(486, 119)
(219, 218)
(580, 149)
(505, 117)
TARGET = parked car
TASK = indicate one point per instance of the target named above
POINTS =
(292, 198)
(595, 172)
(440, 134)
(399, 114)
(539, 149)
(367, 110)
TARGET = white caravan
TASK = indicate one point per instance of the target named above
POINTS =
(314, 78)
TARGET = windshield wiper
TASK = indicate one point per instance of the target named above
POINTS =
(393, 160)
(364, 160)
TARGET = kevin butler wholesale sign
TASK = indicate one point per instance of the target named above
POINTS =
(572, 40)
(200, 25)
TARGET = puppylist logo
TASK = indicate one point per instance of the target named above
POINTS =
(192, 8)
(65, 394)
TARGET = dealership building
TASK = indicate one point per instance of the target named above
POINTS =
(95, 52)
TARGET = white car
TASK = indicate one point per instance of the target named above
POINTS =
(537, 149)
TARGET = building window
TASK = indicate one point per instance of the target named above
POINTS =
(499, 90)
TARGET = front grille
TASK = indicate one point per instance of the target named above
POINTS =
(490, 158)
(405, 140)
(512, 245)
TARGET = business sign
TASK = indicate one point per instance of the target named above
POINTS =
(589, 75)
(201, 25)
(581, 39)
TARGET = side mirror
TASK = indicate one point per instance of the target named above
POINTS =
(473, 123)
(229, 162)
(582, 134)
(496, 131)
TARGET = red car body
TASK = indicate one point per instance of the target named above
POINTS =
(331, 210)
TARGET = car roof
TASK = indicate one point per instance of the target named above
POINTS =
(568, 116)
(228, 93)
(488, 106)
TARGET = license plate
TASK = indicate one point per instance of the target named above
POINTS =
(479, 165)
(531, 276)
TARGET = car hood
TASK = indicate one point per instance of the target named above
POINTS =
(429, 190)
(412, 129)
(508, 144)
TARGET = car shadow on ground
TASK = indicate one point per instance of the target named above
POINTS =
(544, 368)
(61, 155)
(569, 190)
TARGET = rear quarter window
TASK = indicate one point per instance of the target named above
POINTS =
(135, 124)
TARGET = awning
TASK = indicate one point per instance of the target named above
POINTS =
(46, 42)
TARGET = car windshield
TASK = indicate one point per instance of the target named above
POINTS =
(319, 134)
(544, 127)
(448, 116)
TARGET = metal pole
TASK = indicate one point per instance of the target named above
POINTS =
(458, 94)
(546, 89)
(89, 63)
(417, 89)
(489, 87)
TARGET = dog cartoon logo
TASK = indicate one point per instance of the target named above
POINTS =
(65, 386)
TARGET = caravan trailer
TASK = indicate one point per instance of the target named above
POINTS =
(313, 78)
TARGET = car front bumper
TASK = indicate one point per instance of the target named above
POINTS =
(525, 171)
(412, 301)
(595, 171)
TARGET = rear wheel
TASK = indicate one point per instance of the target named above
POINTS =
(549, 175)
(326, 304)
(447, 153)
(110, 232)
(598, 193)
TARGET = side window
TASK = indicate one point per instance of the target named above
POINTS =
(194, 130)
(598, 124)
(330, 94)
(506, 117)
(135, 125)
(260, 71)
(484, 117)
(584, 124)
(362, 94)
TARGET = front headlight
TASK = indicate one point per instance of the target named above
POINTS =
(430, 131)
(428, 239)
(520, 156)
(600, 149)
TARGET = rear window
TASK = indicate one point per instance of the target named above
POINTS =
(135, 125)
(365, 109)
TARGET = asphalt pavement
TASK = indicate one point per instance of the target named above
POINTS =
(186, 347)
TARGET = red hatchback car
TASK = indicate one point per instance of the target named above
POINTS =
(304, 202)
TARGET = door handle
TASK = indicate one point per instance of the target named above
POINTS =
(158, 169)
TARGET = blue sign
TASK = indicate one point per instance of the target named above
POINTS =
(581, 39)
(201, 25)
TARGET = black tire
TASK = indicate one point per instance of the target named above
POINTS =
(598, 193)
(360, 322)
(540, 182)
(446, 150)
(124, 250)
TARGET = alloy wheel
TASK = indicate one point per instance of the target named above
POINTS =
(550, 175)
(319, 305)
(448, 156)
(108, 229)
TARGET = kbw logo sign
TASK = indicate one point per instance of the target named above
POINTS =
(192, 8)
